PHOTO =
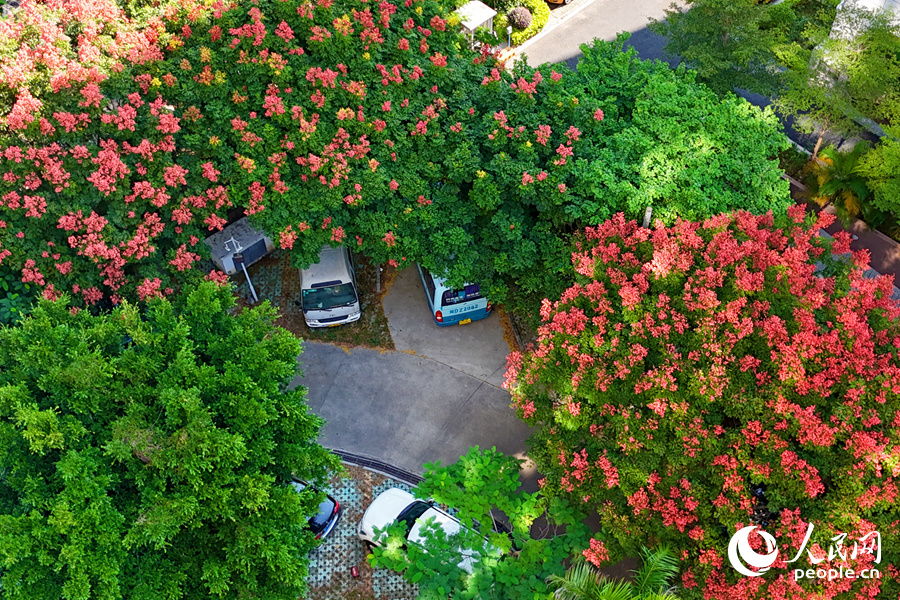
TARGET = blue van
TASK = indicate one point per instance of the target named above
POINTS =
(453, 307)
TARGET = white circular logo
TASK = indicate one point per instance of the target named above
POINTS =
(740, 546)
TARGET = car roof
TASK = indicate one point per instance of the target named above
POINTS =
(451, 526)
(332, 267)
(440, 283)
(387, 506)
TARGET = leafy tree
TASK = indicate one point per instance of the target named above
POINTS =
(703, 377)
(837, 179)
(146, 455)
(652, 581)
(730, 43)
(16, 298)
(870, 62)
(851, 75)
(881, 168)
(482, 481)
(395, 139)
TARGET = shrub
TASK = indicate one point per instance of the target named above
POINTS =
(519, 17)
(540, 15)
(502, 6)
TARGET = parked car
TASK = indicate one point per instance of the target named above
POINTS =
(398, 506)
(324, 521)
(328, 292)
(453, 307)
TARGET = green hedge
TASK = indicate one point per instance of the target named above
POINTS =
(540, 14)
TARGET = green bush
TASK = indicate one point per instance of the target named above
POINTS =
(540, 13)
(502, 6)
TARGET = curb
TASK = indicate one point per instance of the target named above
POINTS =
(378, 466)
(517, 52)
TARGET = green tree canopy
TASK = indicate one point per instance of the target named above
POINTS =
(850, 76)
(146, 455)
(477, 484)
(881, 167)
(730, 43)
(371, 126)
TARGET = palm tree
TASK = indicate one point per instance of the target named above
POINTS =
(652, 580)
(837, 179)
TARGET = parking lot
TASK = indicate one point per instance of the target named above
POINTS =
(431, 399)
(434, 397)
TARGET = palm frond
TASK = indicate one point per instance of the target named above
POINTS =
(581, 582)
(616, 590)
(658, 569)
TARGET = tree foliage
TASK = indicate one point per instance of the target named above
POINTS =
(702, 377)
(881, 168)
(479, 483)
(652, 580)
(146, 455)
(730, 43)
(851, 75)
(371, 126)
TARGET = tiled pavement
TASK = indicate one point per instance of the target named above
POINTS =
(329, 568)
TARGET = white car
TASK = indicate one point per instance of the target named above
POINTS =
(398, 506)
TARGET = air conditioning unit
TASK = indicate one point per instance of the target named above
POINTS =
(238, 238)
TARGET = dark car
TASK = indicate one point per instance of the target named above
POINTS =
(328, 516)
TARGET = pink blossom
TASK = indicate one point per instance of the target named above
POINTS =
(150, 289)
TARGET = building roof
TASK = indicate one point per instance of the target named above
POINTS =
(475, 14)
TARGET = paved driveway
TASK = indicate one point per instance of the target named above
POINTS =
(602, 19)
(432, 399)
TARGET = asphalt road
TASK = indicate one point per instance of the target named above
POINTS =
(602, 19)
(432, 399)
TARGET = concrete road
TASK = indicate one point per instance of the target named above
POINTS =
(477, 349)
(432, 399)
(604, 19)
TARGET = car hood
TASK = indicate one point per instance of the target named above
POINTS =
(384, 510)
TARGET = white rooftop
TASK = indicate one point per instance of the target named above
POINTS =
(475, 14)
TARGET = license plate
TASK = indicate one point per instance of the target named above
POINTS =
(465, 321)
(334, 324)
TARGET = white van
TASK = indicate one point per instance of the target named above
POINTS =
(451, 306)
(328, 292)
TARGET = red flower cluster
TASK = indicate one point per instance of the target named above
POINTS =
(692, 366)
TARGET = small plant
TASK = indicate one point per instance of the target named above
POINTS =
(16, 299)
(519, 17)
(836, 178)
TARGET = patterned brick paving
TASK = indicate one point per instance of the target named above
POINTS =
(330, 563)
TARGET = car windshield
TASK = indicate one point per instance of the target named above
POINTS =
(319, 521)
(329, 296)
(470, 292)
(412, 512)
